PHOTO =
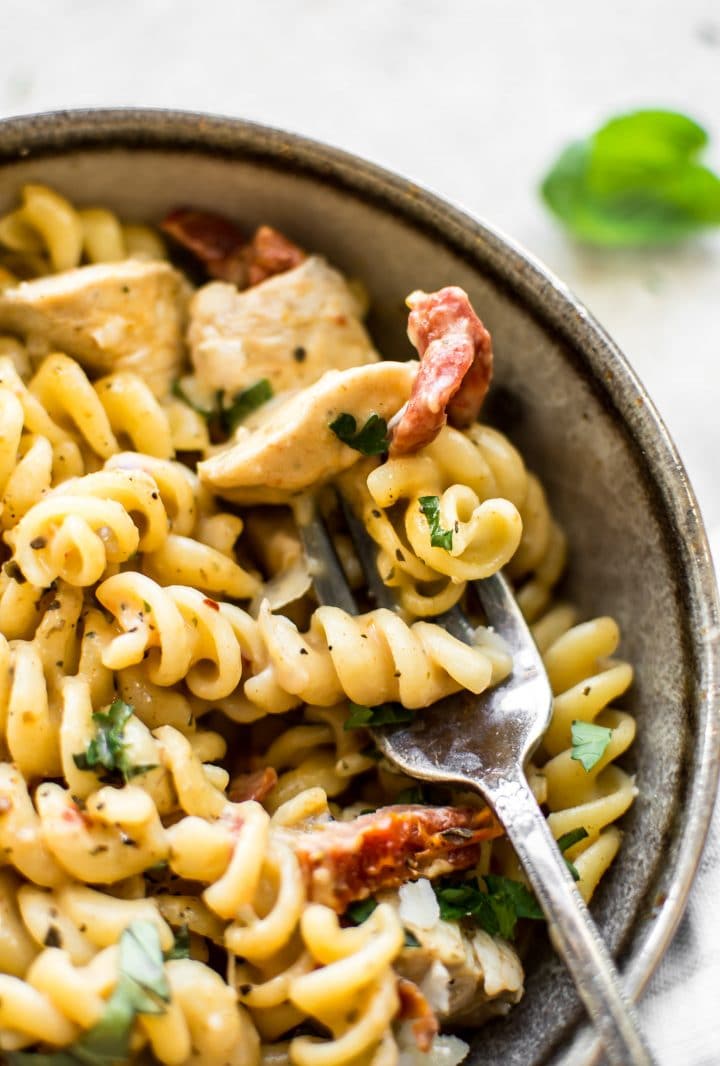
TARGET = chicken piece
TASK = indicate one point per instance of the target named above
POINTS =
(109, 316)
(456, 362)
(290, 329)
(287, 445)
(222, 249)
(466, 976)
(346, 861)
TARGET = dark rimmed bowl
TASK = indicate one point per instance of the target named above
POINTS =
(564, 394)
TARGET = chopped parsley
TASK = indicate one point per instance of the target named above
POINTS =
(107, 750)
(439, 537)
(361, 910)
(384, 714)
(142, 988)
(181, 945)
(244, 403)
(495, 909)
(372, 439)
(568, 840)
(589, 743)
(227, 417)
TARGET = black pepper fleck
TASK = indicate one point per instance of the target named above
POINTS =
(52, 937)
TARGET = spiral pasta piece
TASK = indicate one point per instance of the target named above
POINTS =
(49, 234)
(35, 453)
(175, 763)
(316, 754)
(78, 530)
(353, 993)
(586, 681)
(370, 659)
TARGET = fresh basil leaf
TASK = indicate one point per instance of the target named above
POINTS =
(384, 714)
(372, 439)
(181, 945)
(142, 970)
(107, 749)
(244, 403)
(360, 911)
(142, 988)
(635, 181)
(568, 840)
(439, 537)
(414, 794)
(589, 743)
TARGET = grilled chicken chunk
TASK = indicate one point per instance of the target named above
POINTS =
(466, 976)
(289, 329)
(110, 316)
(288, 445)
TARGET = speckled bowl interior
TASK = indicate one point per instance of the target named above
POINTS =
(566, 397)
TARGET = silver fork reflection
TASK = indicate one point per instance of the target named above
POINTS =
(483, 743)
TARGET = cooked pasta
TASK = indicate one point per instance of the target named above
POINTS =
(204, 860)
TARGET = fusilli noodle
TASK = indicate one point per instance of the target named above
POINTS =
(204, 861)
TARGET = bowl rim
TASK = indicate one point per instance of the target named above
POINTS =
(529, 281)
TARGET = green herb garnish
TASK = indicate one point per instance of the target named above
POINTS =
(107, 750)
(635, 181)
(244, 403)
(384, 714)
(589, 742)
(495, 909)
(181, 945)
(439, 537)
(566, 841)
(179, 391)
(361, 910)
(226, 418)
(142, 988)
(372, 439)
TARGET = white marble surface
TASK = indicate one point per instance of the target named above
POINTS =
(472, 98)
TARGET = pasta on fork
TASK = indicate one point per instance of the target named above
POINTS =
(204, 860)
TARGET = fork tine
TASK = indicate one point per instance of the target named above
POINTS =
(329, 581)
(453, 620)
(366, 551)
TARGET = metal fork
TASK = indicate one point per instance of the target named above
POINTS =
(483, 743)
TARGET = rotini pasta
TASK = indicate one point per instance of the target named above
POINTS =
(181, 634)
(204, 860)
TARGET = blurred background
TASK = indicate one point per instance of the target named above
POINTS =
(473, 98)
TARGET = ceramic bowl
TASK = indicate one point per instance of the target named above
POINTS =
(568, 399)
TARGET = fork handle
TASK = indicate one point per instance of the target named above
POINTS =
(572, 931)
